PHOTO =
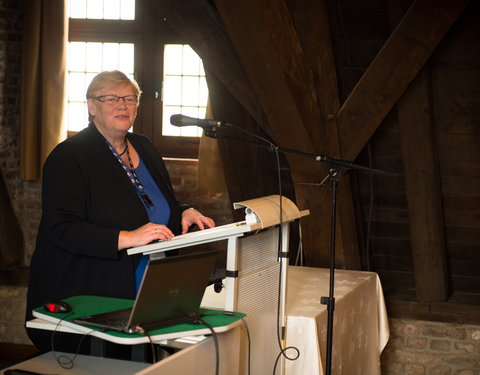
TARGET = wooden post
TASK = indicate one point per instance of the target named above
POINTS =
(422, 184)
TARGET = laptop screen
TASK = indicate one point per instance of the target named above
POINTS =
(171, 290)
(172, 287)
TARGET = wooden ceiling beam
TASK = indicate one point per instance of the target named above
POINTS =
(272, 54)
(422, 181)
(312, 25)
(422, 186)
(393, 69)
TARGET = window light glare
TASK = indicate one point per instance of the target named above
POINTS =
(93, 55)
(111, 9)
(172, 86)
(125, 55)
(173, 64)
(127, 9)
(77, 9)
(190, 91)
(110, 56)
(77, 116)
(184, 88)
(203, 94)
(191, 62)
(94, 9)
(76, 56)
(102, 9)
(76, 87)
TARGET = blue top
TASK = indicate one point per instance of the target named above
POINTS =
(159, 213)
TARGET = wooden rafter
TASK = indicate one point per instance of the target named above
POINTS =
(313, 28)
(422, 181)
(396, 65)
(273, 56)
(422, 184)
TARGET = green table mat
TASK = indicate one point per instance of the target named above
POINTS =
(90, 305)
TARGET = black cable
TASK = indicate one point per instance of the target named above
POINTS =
(283, 352)
(197, 319)
(247, 330)
(63, 360)
(152, 346)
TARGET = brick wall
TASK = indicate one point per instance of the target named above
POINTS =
(12, 314)
(183, 173)
(11, 26)
(430, 348)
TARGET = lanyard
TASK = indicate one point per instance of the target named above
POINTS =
(132, 175)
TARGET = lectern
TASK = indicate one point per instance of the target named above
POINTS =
(256, 270)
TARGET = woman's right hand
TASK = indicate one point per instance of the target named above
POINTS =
(143, 235)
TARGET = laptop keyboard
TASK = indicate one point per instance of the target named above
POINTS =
(113, 319)
(120, 322)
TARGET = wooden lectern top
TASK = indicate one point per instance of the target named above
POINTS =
(266, 210)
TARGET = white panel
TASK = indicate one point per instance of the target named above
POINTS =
(258, 298)
(258, 251)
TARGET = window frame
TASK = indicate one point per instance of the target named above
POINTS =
(149, 37)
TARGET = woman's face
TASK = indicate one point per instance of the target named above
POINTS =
(111, 117)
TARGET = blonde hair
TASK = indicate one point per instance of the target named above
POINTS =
(111, 79)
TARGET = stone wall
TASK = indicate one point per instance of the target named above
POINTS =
(183, 173)
(12, 314)
(430, 348)
(11, 27)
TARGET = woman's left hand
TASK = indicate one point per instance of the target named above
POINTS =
(192, 216)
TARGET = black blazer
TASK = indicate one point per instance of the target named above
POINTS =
(87, 199)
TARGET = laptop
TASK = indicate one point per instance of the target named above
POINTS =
(170, 293)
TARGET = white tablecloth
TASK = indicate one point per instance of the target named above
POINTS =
(360, 330)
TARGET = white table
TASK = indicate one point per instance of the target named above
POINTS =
(360, 330)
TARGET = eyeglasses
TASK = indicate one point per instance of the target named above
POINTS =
(114, 99)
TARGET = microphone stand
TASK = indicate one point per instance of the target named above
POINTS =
(335, 166)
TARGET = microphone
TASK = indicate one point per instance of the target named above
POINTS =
(182, 120)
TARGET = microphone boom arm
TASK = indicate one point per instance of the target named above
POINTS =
(213, 133)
